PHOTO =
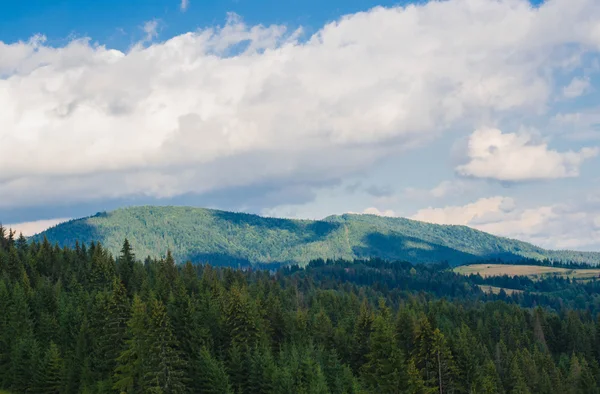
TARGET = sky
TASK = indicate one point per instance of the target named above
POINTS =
(483, 113)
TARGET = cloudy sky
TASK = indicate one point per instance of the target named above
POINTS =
(477, 112)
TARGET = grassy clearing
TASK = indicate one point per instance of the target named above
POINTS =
(532, 271)
(496, 290)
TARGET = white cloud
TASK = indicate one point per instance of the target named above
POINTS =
(467, 214)
(375, 211)
(151, 30)
(196, 113)
(35, 227)
(518, 157)
(184, 5)
(577, 87)
(559, 226)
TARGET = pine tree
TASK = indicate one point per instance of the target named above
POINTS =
(384, 369)
(103, 267)
(423, 353)
(5, 340)
(25, 361)
(261, 370)
(488, 381)
(467, 360)
(361, 338)
(20, 322)
(3, 240)
(164, 368)
(443, 362)
(310, 377)
(125, 265)
(14, 265)
(340, 379)
(130, 368)
(50, 375)
(415, 382)
(213, 378)
(238, 367)
(166, 276)
(101, 352)
(190, 278)
(241, 319)
(517, 384)
(116, 323)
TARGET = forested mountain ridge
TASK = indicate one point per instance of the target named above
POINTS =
(220, 237)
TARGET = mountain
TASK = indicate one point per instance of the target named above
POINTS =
(220, 237)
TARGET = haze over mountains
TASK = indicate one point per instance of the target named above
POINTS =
(221, 237)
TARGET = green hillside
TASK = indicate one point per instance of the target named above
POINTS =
(219, 237)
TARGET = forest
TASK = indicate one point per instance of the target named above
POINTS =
(78, 320)
(240, 239)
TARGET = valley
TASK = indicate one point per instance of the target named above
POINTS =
(531, 271)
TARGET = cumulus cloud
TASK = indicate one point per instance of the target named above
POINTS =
(476, 212)
(577, 87)
(239, 105)
(574, 225)
(518, 157)
(35, 227)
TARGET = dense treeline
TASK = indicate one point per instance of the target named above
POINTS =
(397, 280)
(78, 321)
(564, 263)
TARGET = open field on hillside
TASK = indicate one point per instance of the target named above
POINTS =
(496, 290)
(486, 270)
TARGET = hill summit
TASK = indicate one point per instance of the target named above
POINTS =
(221, 237)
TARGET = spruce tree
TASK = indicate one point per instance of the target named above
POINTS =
(362, 336)
(125, 265)
(384, 368)
(164, 370)
(5, 340)
(241, 319)
(443, 362)
(213, 378)
(261, 370)
(50, 375)
(131, 363)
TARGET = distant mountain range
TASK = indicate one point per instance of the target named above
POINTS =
(220, 237)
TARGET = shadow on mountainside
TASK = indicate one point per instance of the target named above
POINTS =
(68, 233)
(225, 260)
(415, 250)
(307, 231)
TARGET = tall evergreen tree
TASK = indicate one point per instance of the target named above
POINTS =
(125, 265)
(131, 363)
(51, 372)
(384, 369)
(164, 370)
(213, 378)
(362, 336)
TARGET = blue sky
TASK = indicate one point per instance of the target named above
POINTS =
(474, 112)
(115, 22)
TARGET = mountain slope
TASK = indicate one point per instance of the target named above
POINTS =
(221, 237)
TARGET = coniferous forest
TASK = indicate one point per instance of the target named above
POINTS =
(77, 320)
